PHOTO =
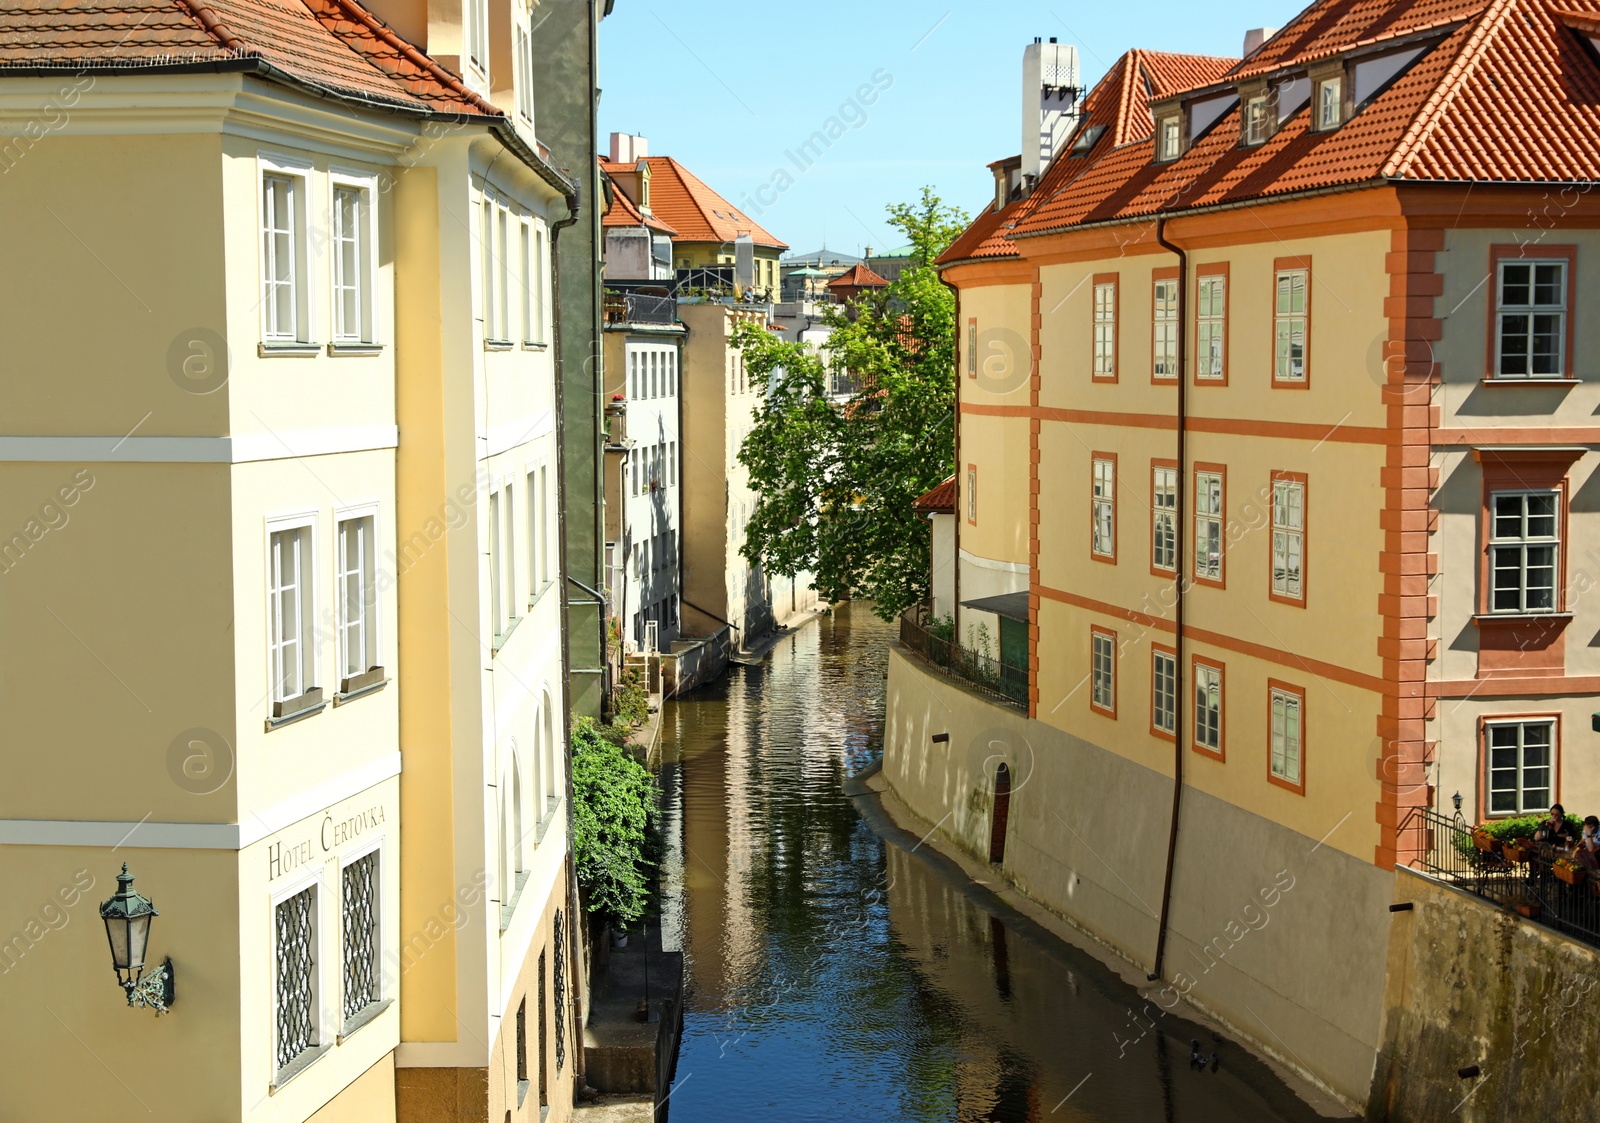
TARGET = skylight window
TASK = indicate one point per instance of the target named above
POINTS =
(1086, 139)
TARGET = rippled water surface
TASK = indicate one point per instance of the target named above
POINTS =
(836, 973)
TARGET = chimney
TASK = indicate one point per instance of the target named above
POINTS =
(626, 148)
(1050, 109)
(1255, 37)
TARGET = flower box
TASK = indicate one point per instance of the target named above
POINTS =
(1569, 871)
(1518, 850)
(1484, 841)
(1529, 909)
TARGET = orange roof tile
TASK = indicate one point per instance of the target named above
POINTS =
(332, 45)
(858, 277)
(623, 212)
(941, 497)
(698, 213)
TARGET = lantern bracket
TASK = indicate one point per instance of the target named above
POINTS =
(155, 991)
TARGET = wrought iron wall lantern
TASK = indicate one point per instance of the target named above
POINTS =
(127, 916)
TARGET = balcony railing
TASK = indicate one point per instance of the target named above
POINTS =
(640, 308)
(1525, 881)
(1003, 682)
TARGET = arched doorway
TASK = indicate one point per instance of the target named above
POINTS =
(1002, 812)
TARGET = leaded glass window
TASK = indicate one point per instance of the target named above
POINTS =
(359, 913)
(296, 990)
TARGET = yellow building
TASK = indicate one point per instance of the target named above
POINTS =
(1269, 433)
(229, 580)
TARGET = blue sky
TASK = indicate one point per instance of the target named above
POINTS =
(731, 89)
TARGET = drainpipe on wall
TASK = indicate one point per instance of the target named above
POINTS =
(1178, 588)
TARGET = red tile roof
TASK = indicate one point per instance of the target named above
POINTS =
(623, 212)
(333, 45)
(939, 498)
(1504, 91)
(859, 277)
(679, 197)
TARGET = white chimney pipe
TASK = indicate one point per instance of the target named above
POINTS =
(1255, 37)
(626, 148)
(1050, 109)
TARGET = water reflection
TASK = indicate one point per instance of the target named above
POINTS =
(834, 975)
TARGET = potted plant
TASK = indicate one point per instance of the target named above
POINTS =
(1570, 871)
(1517, 849)
(1483, 840)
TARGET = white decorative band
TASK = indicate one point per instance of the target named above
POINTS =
(244, 449)
(990, 563)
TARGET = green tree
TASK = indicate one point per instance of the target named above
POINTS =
(835, 484)
(616, 812)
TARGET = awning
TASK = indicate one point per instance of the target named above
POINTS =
(1013, 606)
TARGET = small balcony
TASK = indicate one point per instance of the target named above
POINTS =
(935, 644)
(639, 308)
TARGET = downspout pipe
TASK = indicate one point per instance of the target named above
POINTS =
(1178, 584)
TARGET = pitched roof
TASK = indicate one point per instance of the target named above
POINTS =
(698, 213)
(623, 212)
(858, 277)
(335, 46)
(941, 497)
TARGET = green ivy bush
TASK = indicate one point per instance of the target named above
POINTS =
(616, 823)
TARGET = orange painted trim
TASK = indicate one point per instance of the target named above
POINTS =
(1305, 538)
(1220, 581)
(1213, 269)
(1531, 686)
(1566, 435)
(1280, 266)
(1165, 273)
(1235, 427)
(1299, 692)
(1499, 252)
(1220, 753)
(1106, 633)
(1114, 280)
(980, 274)
(1177, 482)
(1482, 782)
(1167, 735)
(1274, 655)
(1094, 522)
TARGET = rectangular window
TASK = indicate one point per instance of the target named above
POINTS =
(524, 75)
(476, 32)
(972, 348)
(1524, 548)
(1286, 763)
(1164, 692)
(1103, 504)
(352, 257)
(1211, 328)
(1164, 330)
(1330, 103)
(1520, 756)
(502, 267)
(1288, 537)
(496, 591)
(1167, 139)
(1255, 120)
(1208, 708)
(1291, 318)
(522, 1048)
(633, 375)
(633, 474)
(358, 883)
(1105, 330)
(672, 463)
(282, 259)
(1164, 518)
(508, 543)
(538, 284)
(972, 494)
(291, 641)
(530, 279)
(358, 597)
(1531, 319)
(1210, 492)
(1103, 671)
(295, 990)
(491, 302)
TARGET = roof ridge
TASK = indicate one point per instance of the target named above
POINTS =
(211, 23)
(1444, 94)
(413, 54)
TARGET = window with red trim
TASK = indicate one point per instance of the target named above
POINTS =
(1103, 506)
(1208, 679)
(1286, 735)
(1103, 671)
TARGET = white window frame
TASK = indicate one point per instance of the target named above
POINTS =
(1525, 806)
(522, 69)
(1208, 680)
(1169, 139)
(475, 35)
(311, 878)
(298, 173)
(1558, 312)
(366, 331)
(301, 523)
(374, 845)
(494, 221)
(1283, 324)
(1211, 328)
(1330, 103)
(1164, 689)
(1103, 487)
(497, 594)
(1522, 543)
(1289, 538)
(1204, 517)
(1164, 485)
(1164, 329)
(1278, 754)
(1105, 330)
(372, 628)
(1256, 126)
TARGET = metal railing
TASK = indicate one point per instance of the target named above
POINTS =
(1002, 681)
(1518, 875)
(640, 308)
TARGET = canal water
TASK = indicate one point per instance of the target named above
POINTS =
(835, 970)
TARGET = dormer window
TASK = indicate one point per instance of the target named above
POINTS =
(1330, 103)
(1168, 139)
(1256, 125)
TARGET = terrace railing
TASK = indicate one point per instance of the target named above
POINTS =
(1003, 682)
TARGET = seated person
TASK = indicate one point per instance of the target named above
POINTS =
(1589, 845)
(1555, 831)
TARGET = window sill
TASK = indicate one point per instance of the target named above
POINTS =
(362, 1017)
(551, 806)
(1507, 619)
(498, 345)
(354, 348)
(295, 1067)
(539, 596)
(288, 350)
(1291, 384)
(1512, 380)
(359, 686)
(296, 709)
(531, 345)
(502, 638)
(508, 909)
(522, 1091)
